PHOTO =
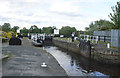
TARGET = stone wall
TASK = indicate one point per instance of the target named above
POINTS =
(105, 55)
(98, 53)
(74, 47)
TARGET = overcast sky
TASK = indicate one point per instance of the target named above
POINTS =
(44, 13)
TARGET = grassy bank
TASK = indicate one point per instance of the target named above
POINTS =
(94, 42)
(76, 41)
(67, 39)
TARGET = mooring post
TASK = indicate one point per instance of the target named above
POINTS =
(104, 38)
(92, 39)
(84, 37)
(89, 48)
(98, 38)
(92, 48)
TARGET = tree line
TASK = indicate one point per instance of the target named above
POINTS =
(65, 30)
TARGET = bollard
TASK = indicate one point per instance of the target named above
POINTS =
(87, 37)
(84, 37)
(93, 39)
(108, 45)
(15, 41)
(88, 43)
(97, 39)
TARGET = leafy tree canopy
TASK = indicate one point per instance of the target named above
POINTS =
(115, 17)
(34, 29)
(24, 31)
(100, 25)
(6, 27)
(15, 28)
(67, 31)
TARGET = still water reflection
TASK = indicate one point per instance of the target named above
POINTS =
(76, 65)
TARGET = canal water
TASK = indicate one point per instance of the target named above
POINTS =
(76, 65)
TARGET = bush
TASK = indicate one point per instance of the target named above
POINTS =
(9, 35)
(15, 41)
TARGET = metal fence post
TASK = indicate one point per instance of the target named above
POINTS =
(98, 38)
(104, 38)
(89, 46)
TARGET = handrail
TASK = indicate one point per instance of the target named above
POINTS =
(3, 38)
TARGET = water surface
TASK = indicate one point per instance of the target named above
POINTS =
(76, 65)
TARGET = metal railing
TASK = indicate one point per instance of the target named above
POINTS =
(94, 38)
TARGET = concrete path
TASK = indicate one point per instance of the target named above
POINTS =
(26, 61)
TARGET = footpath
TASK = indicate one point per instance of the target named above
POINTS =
(26, 60)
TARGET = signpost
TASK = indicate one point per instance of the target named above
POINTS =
(61, 35)
(18, 31)
(56, 31)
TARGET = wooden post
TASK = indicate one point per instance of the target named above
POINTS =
(92, 39)
(89, 49)
(98, 38)
(104, 38)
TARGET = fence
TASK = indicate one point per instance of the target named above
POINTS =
(94, 38)
(113, 36)
(104, 38)
(41, 36)
(103, 35)
(43, 39)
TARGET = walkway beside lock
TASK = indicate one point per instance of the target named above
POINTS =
(27, 60)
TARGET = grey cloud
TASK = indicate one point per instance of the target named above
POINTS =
(29, 14)
(4, 18)
(69, 14)
(29, 21)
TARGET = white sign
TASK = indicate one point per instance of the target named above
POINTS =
(18, 31)
(108, 45)
(28, 34)
(61, 35)
(56, 31)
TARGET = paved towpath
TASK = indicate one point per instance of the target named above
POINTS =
(26, 61)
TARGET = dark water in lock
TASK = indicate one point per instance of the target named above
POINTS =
(76, 65)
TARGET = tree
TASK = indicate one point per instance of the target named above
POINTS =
(34, 29)
(47, 30)
(67, 31)
(0, 28)
(115, 17)
(6, 27)
(24, 31)
(15, 28)
(53, 28)
(87, 28)
(103, 28)
(100, 24)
